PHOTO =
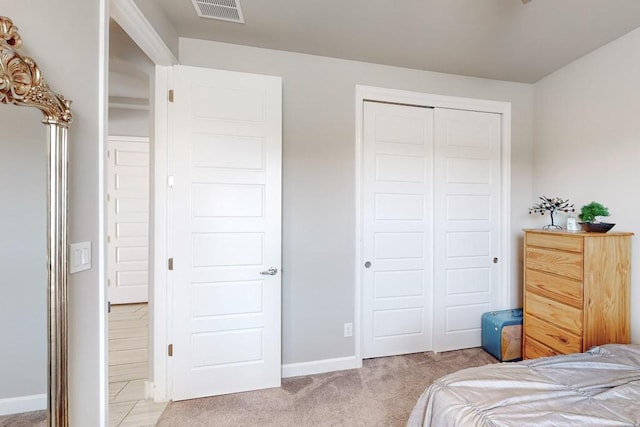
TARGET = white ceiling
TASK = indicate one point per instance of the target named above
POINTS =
(498, 39)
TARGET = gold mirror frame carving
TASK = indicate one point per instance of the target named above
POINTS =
(21, 83)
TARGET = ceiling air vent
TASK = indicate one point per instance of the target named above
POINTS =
(225, 10)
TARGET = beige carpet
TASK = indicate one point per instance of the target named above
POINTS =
(26, 419)
(382, 393)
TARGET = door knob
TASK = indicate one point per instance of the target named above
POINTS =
(272, 271)
(367, 264)
(495, 259)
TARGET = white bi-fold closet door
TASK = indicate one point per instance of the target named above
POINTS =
(431, 227)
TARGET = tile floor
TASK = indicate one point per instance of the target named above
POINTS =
(128, 368)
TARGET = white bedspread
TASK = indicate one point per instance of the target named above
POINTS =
(598, 388)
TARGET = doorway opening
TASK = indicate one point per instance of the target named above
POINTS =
(128, 232)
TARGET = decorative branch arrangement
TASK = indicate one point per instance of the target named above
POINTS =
(551, 205)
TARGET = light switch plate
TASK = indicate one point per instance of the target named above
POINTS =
(79, 257)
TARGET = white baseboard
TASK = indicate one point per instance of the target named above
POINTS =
(149, 390)
(320, 366)
(16, 405)
(151, 393)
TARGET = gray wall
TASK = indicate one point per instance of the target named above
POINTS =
(587, 140)
(319, 177)
(127, 122)
(68, 51)
(23, 255)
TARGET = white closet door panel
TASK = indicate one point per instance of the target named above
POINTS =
(467, 224)
(397, 233)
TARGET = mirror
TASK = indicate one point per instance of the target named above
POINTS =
(21, 84)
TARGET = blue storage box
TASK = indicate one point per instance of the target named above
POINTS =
(502, 334)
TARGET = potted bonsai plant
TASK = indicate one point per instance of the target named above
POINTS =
(589, 216)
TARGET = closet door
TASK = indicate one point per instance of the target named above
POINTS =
(466, 224)
(397, 229)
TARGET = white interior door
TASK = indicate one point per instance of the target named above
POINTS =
(128, 219)
(397, 229)
(467, 224)
(225, 228)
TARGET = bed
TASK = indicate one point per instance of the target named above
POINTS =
(598, 388)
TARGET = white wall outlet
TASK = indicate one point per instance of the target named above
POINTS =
(348, 330)
(79, 257)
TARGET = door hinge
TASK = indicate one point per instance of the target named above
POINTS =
(170, 181)
(170, 350)
(108, 239)
(170, 263)
(108, 197)
(170, 95)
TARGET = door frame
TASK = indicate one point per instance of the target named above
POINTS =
(396, 96)
(160, 294)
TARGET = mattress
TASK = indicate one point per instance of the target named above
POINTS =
(598, 388)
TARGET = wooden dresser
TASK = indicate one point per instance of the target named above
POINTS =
(576, 292)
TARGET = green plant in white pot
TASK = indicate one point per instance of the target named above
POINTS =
(589, 214)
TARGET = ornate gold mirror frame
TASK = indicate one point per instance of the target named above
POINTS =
(21, 83)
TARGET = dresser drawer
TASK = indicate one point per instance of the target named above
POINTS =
(555, 338)
(534, 349)
(548, 240)
(566, 264)
(558, 314)
(567, 291)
